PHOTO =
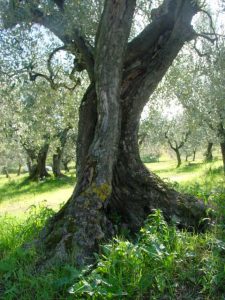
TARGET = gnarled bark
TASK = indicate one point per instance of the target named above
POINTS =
(110, 175)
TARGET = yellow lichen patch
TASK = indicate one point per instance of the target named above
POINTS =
(102, 191)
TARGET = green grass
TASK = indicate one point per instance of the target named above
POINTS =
(188, 172)
(17, 194)
(161, 262)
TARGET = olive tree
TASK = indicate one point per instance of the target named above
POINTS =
(123, 73)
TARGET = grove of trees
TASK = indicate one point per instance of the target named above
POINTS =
(58, 55)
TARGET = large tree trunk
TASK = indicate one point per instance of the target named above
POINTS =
(208, 154)
(81, 224)
(110, 175)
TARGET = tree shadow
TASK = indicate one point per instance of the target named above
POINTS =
(190, 167)
(215, 171)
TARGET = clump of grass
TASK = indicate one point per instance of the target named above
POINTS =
(16, 231)
(162, 264)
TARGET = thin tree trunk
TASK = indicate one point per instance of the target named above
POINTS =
(57, 157)
(194, 154)
(178, 157)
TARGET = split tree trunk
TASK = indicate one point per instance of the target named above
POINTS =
(110, 175)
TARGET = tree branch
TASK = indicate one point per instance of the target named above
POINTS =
(57, 23)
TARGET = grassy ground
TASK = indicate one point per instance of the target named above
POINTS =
(17, 194)
(159, 263)
(188, 172)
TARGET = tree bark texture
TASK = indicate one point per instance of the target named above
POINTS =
(111, 179)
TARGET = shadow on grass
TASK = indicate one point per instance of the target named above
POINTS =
(15, 188)
(215, 171)
(183, 168)
(190, 167)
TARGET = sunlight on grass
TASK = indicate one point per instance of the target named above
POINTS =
(17, 195)
(194, 171)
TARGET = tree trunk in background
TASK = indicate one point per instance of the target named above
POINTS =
(208, 154)
(57, 157)
(194, 154)
(178, 157)
(56, 166)
(222, 147)
(5, 170)
(29, 165)
(65, 165)
(39, 169)
(111, 179)
(19, 169)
